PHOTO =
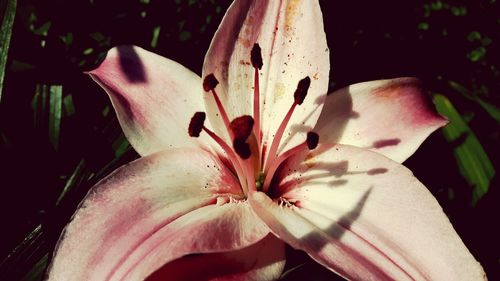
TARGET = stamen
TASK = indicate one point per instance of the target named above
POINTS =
(242, 148)
(299, 96)
(209, 84)
(302, 88)
(196, 124)
(242, 127)
(312, 140)
(256, 58)
(310, 143)
(195, 127)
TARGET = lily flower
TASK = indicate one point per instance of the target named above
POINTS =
(277, 161)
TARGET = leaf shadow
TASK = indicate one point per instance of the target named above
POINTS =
(337, 229)
(336, 112)
(131, 65)
(285, 181)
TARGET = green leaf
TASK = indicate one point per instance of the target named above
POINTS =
(67, 39)
(5, 35)
(120, 145)
(43, 30)
(76, 178)
(472, 160)
(156, 33)
(88, 51)
(18, 66)
(473, 36)
(459, 11)
(55, 115)
(25, 255)
(437, 5)
(36, 273)
(486, 41)
(476, 54)
(106, 111)
(47, 107)
(491, 109)
(423, 26)
(69, 106)
(39, 105)
(98, 36)
(185, 35)
(459, 88)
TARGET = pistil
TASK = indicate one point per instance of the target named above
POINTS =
(256, 59)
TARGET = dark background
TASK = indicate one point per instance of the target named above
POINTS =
(47, 166)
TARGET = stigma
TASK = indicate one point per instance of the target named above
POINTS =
(254, 161)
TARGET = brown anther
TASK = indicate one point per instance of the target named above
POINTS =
(242, 148)
(196, 124)
(210, 82)
(242, 127)
(302, 88)
(312, 140)
(256, 56)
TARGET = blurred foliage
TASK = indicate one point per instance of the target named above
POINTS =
(473, 161)
(5, 35)
(59, 135)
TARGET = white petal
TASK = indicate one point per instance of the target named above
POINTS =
(154, 98)
(367, 218)
(390, 117)
(281, 28)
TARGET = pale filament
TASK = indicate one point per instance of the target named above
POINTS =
(262, 165)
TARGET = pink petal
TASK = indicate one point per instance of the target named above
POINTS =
(261, 261)
(167, 197)
(154, 97)
(390, 117)
(208, 229)
(281, 28)
(366, 217)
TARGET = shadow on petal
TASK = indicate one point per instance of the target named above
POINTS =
(131, 65)
(264, 260)
(338, 228)
(336, 113)
(386, 142)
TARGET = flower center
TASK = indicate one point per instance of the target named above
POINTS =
(248, 155)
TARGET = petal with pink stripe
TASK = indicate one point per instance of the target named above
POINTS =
(390, 117)
(280, 28)
(366, 217)
(166, 200)
(262, 261)
(154, 98)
